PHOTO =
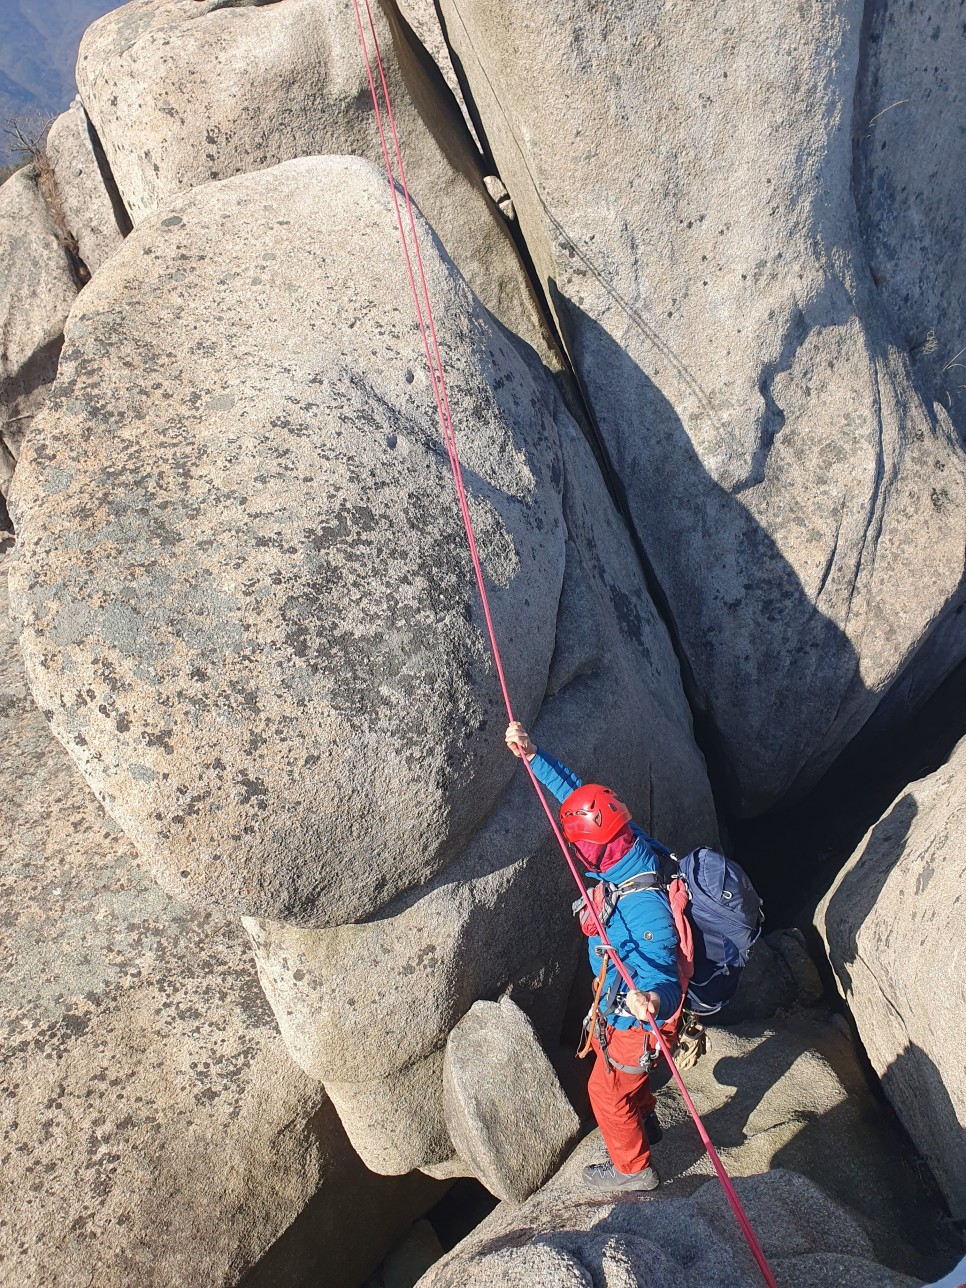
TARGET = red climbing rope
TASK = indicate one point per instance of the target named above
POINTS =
(427, 328)
(435, 368)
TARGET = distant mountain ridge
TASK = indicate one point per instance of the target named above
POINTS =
(38, 50)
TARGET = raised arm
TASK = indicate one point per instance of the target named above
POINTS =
(556, 777)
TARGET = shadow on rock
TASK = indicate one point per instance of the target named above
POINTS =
(752, 644)
(861, 886)
(915, 1087)
(793, 1095)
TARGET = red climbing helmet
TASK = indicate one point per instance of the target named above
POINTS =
(593, 813)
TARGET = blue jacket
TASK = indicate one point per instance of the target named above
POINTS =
(642, 927)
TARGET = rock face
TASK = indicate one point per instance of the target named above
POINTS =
(37, 289)
(288, 704)
(894, 923)
(422, 17)
(86, 205)
(790, 1093)
(151, 1115)
(782, 469)
(695, 1242)
(181, 93)
(511, 1139)
(908, 179)
(829, 1191)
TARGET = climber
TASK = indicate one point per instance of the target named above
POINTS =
(641, 929)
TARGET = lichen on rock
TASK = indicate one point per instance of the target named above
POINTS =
(244, 600)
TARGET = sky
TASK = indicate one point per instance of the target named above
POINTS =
(38, 49)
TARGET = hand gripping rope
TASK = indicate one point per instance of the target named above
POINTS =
(427, 328)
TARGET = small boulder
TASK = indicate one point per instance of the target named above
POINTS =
(505, 1109)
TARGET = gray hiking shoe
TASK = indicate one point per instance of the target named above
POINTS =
(605, 1176)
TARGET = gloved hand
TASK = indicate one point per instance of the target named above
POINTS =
(519, 741)
(642, 1005)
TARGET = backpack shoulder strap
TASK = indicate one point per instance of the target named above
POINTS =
(605, 896)
(643, 881)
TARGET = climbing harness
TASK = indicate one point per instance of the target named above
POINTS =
(599, 1028)
(427, 328)
(594, 1015)
(605, 897)
(596, 1021)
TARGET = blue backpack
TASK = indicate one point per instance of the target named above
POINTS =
(726, 914)
(724, 910)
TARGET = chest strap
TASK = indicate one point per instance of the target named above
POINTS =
(606, 896)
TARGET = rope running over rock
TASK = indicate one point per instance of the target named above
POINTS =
(427, 328)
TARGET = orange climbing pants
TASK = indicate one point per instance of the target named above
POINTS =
(621, 1101)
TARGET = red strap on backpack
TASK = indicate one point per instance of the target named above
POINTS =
(597, 899)
(677, 893)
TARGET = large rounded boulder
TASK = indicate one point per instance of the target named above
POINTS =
(248, 609)
(894, 924)
(245, 596)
